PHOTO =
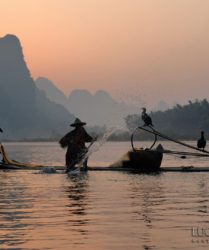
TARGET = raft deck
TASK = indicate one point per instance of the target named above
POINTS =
(164, 169)
(119, 169)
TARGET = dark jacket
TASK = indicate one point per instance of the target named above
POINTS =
(75, 140)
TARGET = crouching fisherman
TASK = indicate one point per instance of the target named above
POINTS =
(75, 143)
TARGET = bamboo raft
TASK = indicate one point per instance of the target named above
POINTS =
(164, 169)
(6, 167)
(133, 161)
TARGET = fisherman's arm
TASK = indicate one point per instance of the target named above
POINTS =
(66, 140)
(87, 137)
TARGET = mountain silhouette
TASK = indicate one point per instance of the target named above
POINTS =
(51, 91)
(25, 110)
(96, 109)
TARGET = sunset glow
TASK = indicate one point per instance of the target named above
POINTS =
(153, 49)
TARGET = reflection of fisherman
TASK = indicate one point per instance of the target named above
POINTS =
(75, 143)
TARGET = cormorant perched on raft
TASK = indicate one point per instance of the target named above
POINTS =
(201, 143)
(146, 118)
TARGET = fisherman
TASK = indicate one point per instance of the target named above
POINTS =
(75, 143)
(146, 118)
(201, 143)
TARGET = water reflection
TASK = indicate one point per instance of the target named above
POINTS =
(77, 192)
(146, 192)
(203, 196)
(13, 203)
(101, 210)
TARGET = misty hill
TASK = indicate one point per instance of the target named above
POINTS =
(25, 110)
(96, 109)
(51, 91)
(182, 121)
(99, 108)
(161, 106)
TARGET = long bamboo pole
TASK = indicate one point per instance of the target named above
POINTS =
(155, 132)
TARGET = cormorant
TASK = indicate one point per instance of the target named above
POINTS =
(201, 143)
(1, 130)
(146, 118)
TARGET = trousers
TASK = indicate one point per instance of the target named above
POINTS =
(74, 156)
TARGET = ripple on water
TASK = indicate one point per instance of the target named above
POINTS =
(100, 210)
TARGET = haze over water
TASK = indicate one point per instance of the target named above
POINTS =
(100, 210)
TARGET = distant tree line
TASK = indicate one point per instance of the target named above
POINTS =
(182, 121)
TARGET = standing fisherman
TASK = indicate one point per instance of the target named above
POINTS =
(75, 143)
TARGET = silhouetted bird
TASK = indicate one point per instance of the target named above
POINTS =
(146, 118)
(1, 130)
(201, 143)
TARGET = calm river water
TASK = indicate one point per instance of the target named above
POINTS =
(101, 210)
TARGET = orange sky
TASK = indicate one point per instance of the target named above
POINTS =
(156, 49)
